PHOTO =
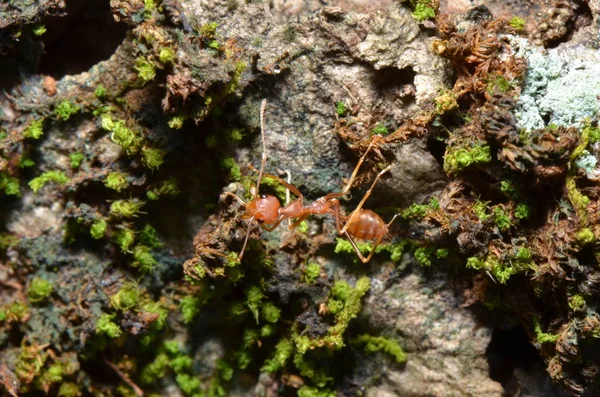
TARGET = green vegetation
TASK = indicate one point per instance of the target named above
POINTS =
(34, 130)
(76, 159)
(117, 181)
(65, 109)
(380, 129)
(517, 24)
(39, 30)
(145, 69)
(39, 290)
(126, 208)
(459, 158)
(373, 344)
(58, 177)
(106, 326)
(98, 229)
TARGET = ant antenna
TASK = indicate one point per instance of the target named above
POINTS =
(263, 106)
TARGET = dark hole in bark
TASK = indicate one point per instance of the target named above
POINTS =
(88, 34)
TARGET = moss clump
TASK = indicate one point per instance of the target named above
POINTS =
(65, 109)
(144, 260)
(39, 30)
(445, 102)
(176, 122)
(126, 298)
(423, 256)
(125, 137)
(167, 188)
(423, 10)
(149, 236)
(106, 326)
(373, 344)
(39, 290)
(126, 208)
(153, 158)
(208, 30)
(124, 238)
(307, 391)
(543, 337)
(157, 369)
(312, 272)
(68, 389)
(457, 159)
(146, 70)
(517, 24)
(380, 129)
(166, 55)
(577, 302)
(117, 181)
(341, 109)
(76, 159)
(254, 297)
(98, 229)
(419, 211)
(189, 384)
(189, 307)
(34, 130)
(522, 211)
(234, 169)
(9, 184)
(501, 219)
(100, 92)
(8, 240)
(585, 236)
(14, 312)
(58, 177)
(271, 313)
(283, 352)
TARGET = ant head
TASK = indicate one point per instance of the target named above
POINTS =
(265, 209)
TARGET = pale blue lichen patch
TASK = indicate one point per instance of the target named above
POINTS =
(561, 86)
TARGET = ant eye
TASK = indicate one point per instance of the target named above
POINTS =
(263, 196)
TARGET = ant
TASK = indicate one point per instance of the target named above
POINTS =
(269, 213)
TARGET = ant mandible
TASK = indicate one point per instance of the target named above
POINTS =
(267, 210)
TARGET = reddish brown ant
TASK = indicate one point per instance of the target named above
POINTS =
(268, 211)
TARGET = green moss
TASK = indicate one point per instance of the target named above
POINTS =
(522, 211)
(106, 326)
(126, 208)
(501, 219)
(517, 23)
(585, 236)
(208, 30)
(9, 184)
(65, 109)
(181, 363)
(254, 297)
(341, 290)
(126, 298)
(423, 10)
(34, 130)
(283, 351)
(166, 188)
(312, 272)
(76, 159)
(344, 246)
(236, 76)
(39, 290)
(156, 370)
(58, 177)
(188, 384)
(15, 312)
(373, 344)
(25, 162)
(423, 255)
(457, 159)
(176, 122)
(578, 200)
(499, 83)
(189, 307)
(341, 109)
(121, 135)
(117, 181)
(592, 133)
(307, 391)
(271, 313)
(543, 337)
(8, 240)
(98, 229)
(166, 55)
(577, 302)
(149, 236)
(446, 101)
(480, 210)
(334, 306)
(143, 259)
(302, 227)
(124, 239)
(153, 158)
(234, 169)
(380, 129)
(69, 389)
(100, 92)
(39, 30)
(441, 253)
(277, 188)
(146, 70)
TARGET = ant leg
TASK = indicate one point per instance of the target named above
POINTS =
(289, 186)
(263, 106)
(366, 196)
(393, 219)
(355, 172)
(235, 197)
(239, 258)
(298, 221)
(287, 193)
(274, 225)
(360, 255)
